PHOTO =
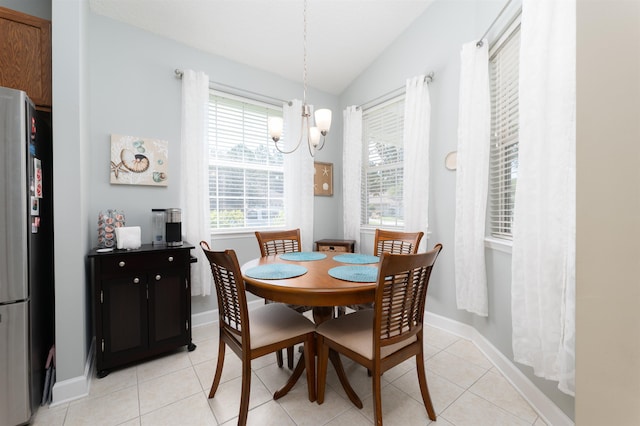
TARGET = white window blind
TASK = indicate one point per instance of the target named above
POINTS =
(246, 180)
(382, 171)
(503, 72)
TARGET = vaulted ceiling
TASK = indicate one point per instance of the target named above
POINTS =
(343, 36)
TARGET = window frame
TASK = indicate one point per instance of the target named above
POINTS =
(504, 151)
(218, 100)
(396, 101)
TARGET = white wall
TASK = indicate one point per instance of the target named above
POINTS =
(608, 201)
(433, 43)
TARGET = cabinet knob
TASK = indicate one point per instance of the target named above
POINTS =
(170, 258)
(136, 280)
(158, 277)
(121, 264)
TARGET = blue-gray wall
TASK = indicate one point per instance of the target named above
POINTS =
(39, 8)
(134, 92)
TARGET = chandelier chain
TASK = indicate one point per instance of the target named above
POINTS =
(304, 70)
(315, 135)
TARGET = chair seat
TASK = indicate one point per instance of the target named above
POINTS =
(274, 323)
(355, 332)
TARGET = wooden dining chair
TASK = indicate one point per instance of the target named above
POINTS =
(389, 334)
(267, 329)
(279, 242)
(394, 242)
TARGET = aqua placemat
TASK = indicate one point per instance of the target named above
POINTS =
(303, 256)
(356, 258)
(362, 274)
(275, 271)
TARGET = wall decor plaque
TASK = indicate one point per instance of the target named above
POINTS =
(323, 179)
(139, 161)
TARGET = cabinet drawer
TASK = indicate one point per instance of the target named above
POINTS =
(334, 248)
(127, 263)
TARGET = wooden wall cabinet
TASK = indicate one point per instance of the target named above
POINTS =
(141, 303)
(25, 55)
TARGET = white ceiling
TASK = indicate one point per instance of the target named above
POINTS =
(343, 36)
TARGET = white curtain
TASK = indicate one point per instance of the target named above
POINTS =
(543, 287)
(352, 173)
(417, 123)
(194, 181)
(298, 176)
(474, 126)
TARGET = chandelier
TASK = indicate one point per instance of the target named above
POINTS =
(322, 116)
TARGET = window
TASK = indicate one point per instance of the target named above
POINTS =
(503, 72)
(246, 179)
(382, 164)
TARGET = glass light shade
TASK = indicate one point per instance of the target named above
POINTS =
(275, 127)
(323, 120)
(314, 136)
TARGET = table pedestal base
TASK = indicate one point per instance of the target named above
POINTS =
(320, 315)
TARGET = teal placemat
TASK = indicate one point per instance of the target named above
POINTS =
(362, 274)
(275, 271)
(302, 256)
(356, 258)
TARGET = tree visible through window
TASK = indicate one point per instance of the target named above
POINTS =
(246, 179)
(382, 171)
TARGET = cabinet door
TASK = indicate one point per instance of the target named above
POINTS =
(168, 317)
(124, 320)
(25, 55)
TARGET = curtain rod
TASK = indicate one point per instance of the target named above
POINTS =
(380, 99)
(480, 43)
(236, 90)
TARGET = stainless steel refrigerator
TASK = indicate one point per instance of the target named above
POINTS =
(26, 255)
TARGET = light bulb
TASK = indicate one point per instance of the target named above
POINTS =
(323, 120)
(314, 136)
(275, 128)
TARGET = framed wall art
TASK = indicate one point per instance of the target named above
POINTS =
(139, 161)
(323, 179)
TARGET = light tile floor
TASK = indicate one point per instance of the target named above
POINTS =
(172, 390)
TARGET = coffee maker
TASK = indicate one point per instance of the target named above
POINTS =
(173, 224)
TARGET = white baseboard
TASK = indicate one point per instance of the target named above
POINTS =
(76, 387)
(204, 318)
(209, 317)
(545, 408)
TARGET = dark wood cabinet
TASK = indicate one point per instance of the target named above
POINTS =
(25, 55)
(345, 246)
(141, 303)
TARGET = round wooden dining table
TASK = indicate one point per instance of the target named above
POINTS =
(315, 288)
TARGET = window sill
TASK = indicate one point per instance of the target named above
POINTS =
(498, 244)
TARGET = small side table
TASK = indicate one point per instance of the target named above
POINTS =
(344, 246)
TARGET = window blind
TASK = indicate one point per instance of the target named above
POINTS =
(382, 171)
(246, 179)
(503, 175)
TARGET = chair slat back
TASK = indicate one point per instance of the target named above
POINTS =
(230, 290)
(278, 242)
(396, 242)
(401, 294)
